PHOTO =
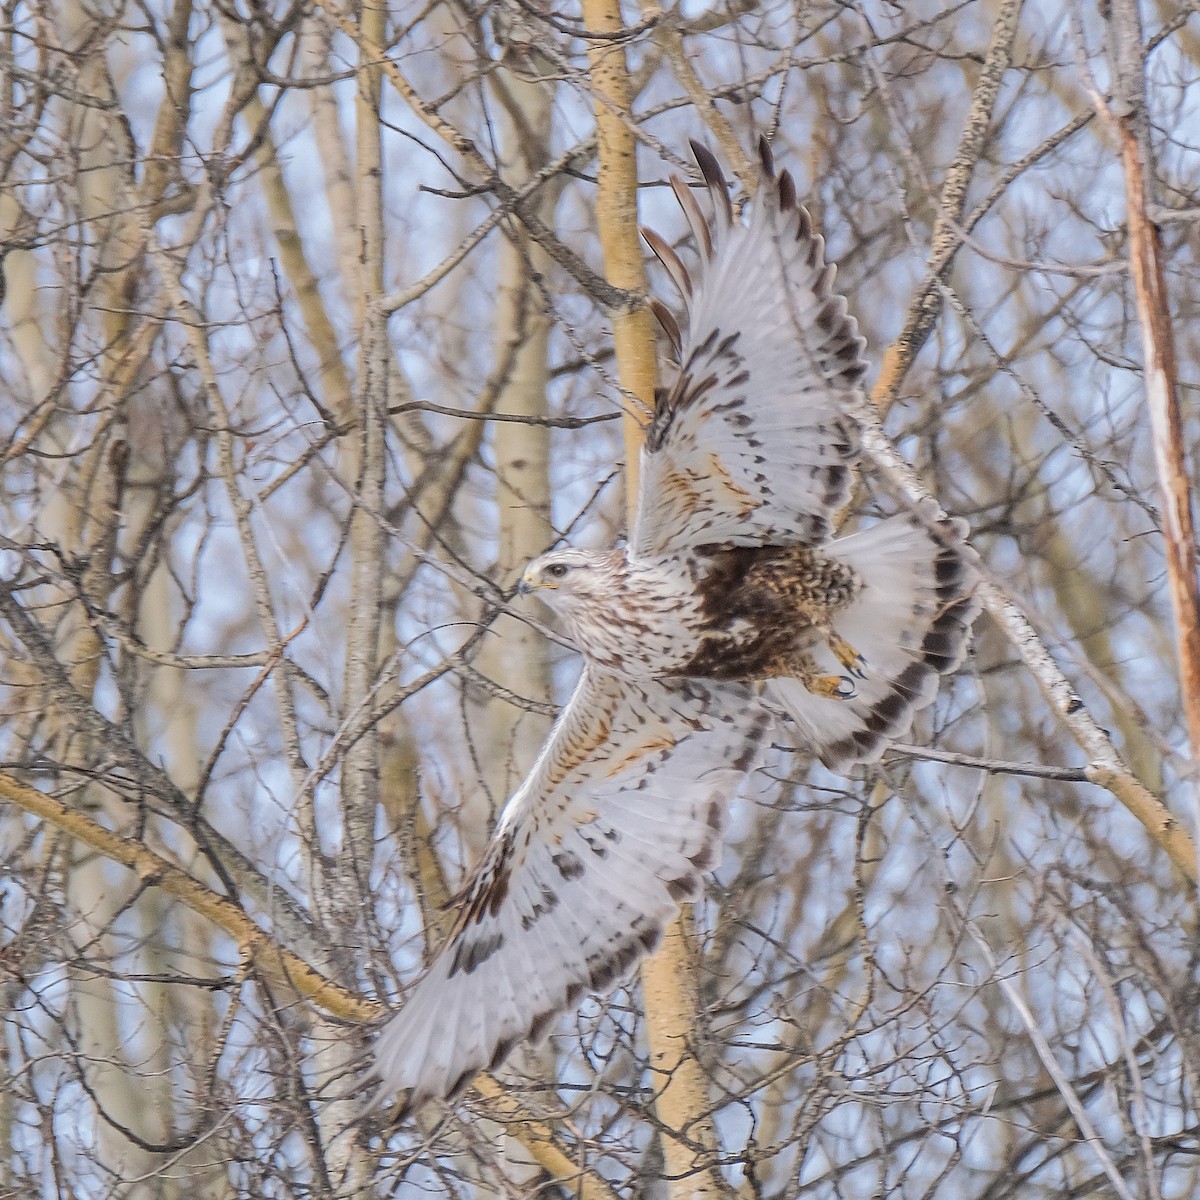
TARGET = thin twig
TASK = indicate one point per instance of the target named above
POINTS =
(1044, 1052)
(993, 766)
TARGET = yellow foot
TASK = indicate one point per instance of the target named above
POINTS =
(836, 687)
(847, 656)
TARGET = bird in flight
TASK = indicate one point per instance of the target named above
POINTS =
(731, 613)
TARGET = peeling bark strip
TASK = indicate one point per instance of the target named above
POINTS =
(1162, 399)
(1127, 116)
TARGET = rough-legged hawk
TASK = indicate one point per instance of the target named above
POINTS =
(731, 610)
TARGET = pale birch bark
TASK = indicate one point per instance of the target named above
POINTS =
(350, 848)
(83, 518)
(853, 1041)
(164, 725)
(515, 654)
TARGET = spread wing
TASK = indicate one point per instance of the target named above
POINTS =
(752, 443)
(590, 859)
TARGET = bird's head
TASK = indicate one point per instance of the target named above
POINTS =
(570, 579)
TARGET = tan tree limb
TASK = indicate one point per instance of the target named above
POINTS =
(669, 34)
(1105, 766)
(513, 736)
(124, 763)
(538, 1138)
(617, 224)
(669, 978)
(363, 459)
(162, 161)
(947, 233)
(258, 947)
(521, 201)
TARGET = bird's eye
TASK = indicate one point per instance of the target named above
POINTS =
(557, 570)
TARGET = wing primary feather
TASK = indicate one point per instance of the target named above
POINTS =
(766, 157)
(592, 855)
(666, 318)
(694, 217)
(785, 186)
(787, 192)
(717, 187)
(745, 443)
(804, 225)
(671, 261)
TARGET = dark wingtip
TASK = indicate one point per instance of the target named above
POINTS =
(765, 158)
(787, 192)
(653, 240)
(666, 318)
(709, 167)
(783, 181)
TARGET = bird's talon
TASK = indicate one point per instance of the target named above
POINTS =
(847, 656)
(836, 687)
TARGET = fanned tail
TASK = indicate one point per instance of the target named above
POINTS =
(910, 624)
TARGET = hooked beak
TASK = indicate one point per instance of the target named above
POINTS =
(525, 586)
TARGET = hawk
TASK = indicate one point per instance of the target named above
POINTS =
(731, 611)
